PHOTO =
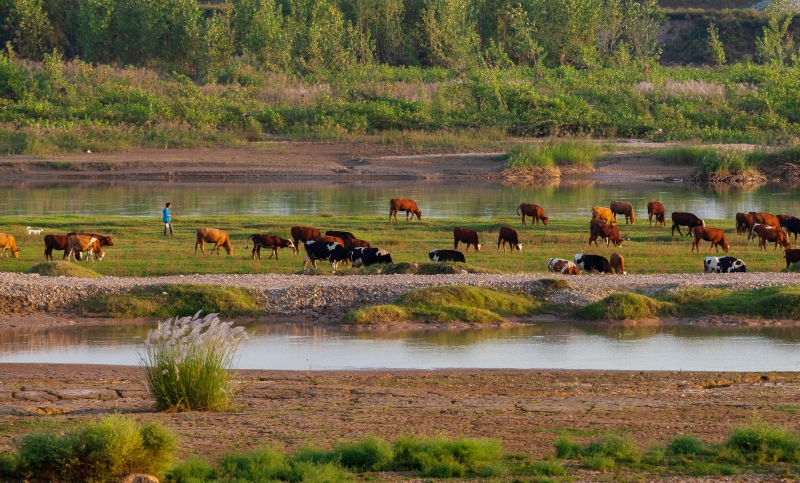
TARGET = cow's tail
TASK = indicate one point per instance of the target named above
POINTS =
(518, 207)
(251, 238)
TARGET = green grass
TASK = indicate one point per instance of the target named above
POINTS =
(769, 302)
(63, 269)
(762, 443)
(624, 306)
(553, 153)
(448, 304)
(162, 301)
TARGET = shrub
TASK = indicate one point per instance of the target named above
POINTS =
(602, 454)
(187, 362)
(763, 443)
(553, 153)
(371, 454)
(549, 468)
(445, 458)
(599, 463)
(99, 451)
(686, 445)
(624, 306)
(62, 269)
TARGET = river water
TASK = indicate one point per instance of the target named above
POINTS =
(545, 346)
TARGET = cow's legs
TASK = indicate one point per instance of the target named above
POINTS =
(274, 252)
(523, 219)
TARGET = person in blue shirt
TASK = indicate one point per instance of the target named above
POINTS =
(167, 219)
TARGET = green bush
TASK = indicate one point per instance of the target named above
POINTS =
(686, 445)
(763, 443)
(369, 454)
(445, 458)
(553, 153)
(103, 450)
(63, 269)
(625, 306)
(601, 454)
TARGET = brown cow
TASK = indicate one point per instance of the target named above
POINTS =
(465, 235)
(690, 220)
(623, 208)
(56, 242)
(771, 235)
(714, 235)
(328, 239)
(655, 208)
(792, 255)
(744, 223)
(534, 211)
(403, 204)
(212, 235)
(765, 219)
(301, 234)
(268, 241)
(351, 243)
(104, 240)
(617, 263)
(508, 234)
(559, 265)
(604, 214)
(8, 242)
(609, 233)
(84, 243)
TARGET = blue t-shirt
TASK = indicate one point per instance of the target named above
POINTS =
(166, 217)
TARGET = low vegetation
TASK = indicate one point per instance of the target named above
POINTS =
(768, 302)
(161, 301)
(63, 269)
(554, 153)
(624, 306)
(449, 304)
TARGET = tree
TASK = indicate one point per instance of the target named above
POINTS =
(447, 35)
(29, 27)
(318, 36)
(643, 23)
(516, 34)
(775, 44)
(715, 49)
(220, 38)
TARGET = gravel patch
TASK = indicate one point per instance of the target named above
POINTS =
(279, 293)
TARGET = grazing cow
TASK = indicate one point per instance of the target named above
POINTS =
(212, 235)
(369, 256)
(84, 243)
(608, 233)
(320, 250)
(771, 235)
(744, 223)
(465, 235)
(723, 265)
(559, 265)
(56, 242)
(328, 239)
(104, 240)
(680, 218)
(604, 214)
(301, 234)
(592, 263)
(509, 235)
(792, 225)
(534, 211)
(402, 204)
(655, 208)
(34, 231)
(8, 242)
(713, 235)
(765, 219)
(623, 208)
(437, 255)
(617, 263)
(351, 243)
(344, 235)
(792, 255)
(268, 241)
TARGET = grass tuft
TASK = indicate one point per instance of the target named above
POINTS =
(763, 443)
(63, 269)
(686, 445)
(624, 306)
(768, 302)
(446, 458)
(552, 154)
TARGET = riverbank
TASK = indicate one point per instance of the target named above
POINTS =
(526, 410)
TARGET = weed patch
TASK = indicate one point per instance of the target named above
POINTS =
(624, 306)
(768, 302)
(63, 269)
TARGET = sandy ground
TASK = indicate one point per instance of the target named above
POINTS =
(527, 410)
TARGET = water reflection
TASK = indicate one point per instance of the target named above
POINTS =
(438, 199)
(567, 346)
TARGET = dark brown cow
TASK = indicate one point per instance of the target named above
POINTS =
(617, 263)
(301, 234)
(273, 242)
(56, 242)
(765, 219)
(403, 204)
(103, 240)
(744, 223)
(351, 243)
(609, 233)
(771, 235)
(656, 209)
(690, 220)
(713, 235)
(792, 255)
(328, 239)
(508, 234)
(623, 208)
(344, 235)
(534, 211)
(465, 235)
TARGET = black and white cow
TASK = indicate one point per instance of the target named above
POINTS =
(369, 256)
(446, 256)
(593, 263)
(723, 265)
(333, 252)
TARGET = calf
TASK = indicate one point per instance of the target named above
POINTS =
(219, 238)
(465, 235)
(765, 219)
(559, 265)
(437, 255)
(320, 250)
(657, 210)
(744, 223)
(617, 263)
(344, 235)
(604, 214)
(623, 208)
(792, 255)
(592, 263)
(272, 242)
(351, 243)
(403, 204)
(723, 265)
(535, 212)
(8, 242)
(509, 235)
(301, 234)
(689, 220)
(605, 231)
(104, 240)
(369, 256)
(771, 235)
(84, 243)
(713, 235)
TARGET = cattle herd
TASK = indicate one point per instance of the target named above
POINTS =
(344, 247)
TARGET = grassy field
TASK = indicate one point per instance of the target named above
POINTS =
(141, 250)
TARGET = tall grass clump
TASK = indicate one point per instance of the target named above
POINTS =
(715, 165)
(552, 154)
(97, 451)
(602, 454)
(187, 362)
(447, 458)
(763, 443)
(625, 306)
(62, 269)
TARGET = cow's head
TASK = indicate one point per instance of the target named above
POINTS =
(545, 220)
(290, 244)
(108, 241)
(725, 246)
(228, 247)
(633, 219)
(15, 252)
(518, 247)
(478, 247)
(419, 214)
